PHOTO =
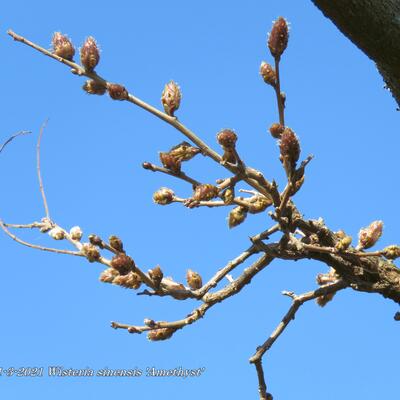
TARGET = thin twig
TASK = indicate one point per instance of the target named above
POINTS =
(46, 207)
(11, 138)
(278, 93)
(180, 175)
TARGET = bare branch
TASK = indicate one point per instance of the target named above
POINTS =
(11, 138)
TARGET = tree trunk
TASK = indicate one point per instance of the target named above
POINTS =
(374, 26)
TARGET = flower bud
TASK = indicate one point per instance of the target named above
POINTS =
(96, 241)
(116, 243)
(94, 87)
(122, 263)
(108, 275)
(228, 196)
(46, 225)
(163, 196)
(130, 281)
(117, 92)
(322, 301)
(156, 275)
(193, 279)
(290, 147)
(57, 233)
(268, 73)
(276, 130)
(205, 192)
(90, 54)
(170, 162)
(344, 243)
(391, 252)
(237, 216)
(76, 233)
(227, 138)
(91, 252)
(171, 97)
(368, 236)
(62, 46)
(259, 204)
(278, 38)
(160, 334)
(184, 151)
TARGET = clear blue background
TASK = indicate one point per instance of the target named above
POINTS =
(56, 312)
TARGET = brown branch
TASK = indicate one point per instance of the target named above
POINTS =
(181, 175)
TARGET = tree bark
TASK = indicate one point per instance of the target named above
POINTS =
(374, 27)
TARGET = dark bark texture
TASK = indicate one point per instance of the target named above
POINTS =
(374, 26)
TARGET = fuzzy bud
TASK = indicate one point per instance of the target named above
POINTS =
(46, 225)
(156, 275)
(108, 275)
(171, 97)
(117, 92)
(57, 233)
(76, 233)
(184, 151)
(278, 38)
(228, 196)
(322, 301)
(116, 243)
(237, 216)
(205, 192)
(259, 204)
(90, 54)
(160, 334)
(122, 263)
(94, 87)
(91, 252)
(227, 138)
(62, 46)
(391, 252)
(193, 279)
(276, 130)
(268, 73)
(343, 244)
(170, 162)
(130, 281)
(368, 236)
(96, 241)
(289, 147)
(163, 196)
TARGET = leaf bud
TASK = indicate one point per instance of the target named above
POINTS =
(391, 252)
(108, 275)
(237, 216)
(278, 37)
(170, 162)
(164, 196)
(204, 192)
(96, 241)
(344, 243)
(117, 92)
(76, 233)
(57, 233)
(90, 54)
(62, 46)
(130, 281)
(368, 236)
(289, 147)
(268, 73)
(122, 263)
(193, 279)
(160, 334)
(276, 130)
(156, 275)
(184, 151)
(171, 97)
(227, 138)
(91, 252)
(93, 87)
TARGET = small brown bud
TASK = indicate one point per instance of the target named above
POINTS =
(193, 279)
(343, 244)
(276, 130)
(149, 322)
(368, 236)
(62, 46)
(130, 281)
(227, 138)
(290, 147)
(237, 216)
(171, 97)
(278, 37)
(147, 165)
(116, 243)
(96, 241)
(91, 252)
(122, 263)
(94, 87)
(108, 275)
(205, 192)
(160, 334)
(164, 196)
(117, 92)
(46, 225)
(391, 252)
(90, 54)
(184, 151)
(156, 275)
(57, 233)
(170, 162)
(228, 196)
(76, 233)
(322, 301)
(268, 73)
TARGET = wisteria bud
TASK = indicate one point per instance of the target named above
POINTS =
(205, 192)
(278, 37)
(116, 243)
(91, 252)
(96, 241)
(368, 236)
(122, 263)
(156, 275)
(276, 130)
(391, 252)
(344, 243)
(57, 233)
(163, 196)
(160, 334)
(90, 54)
(259, 204)
(193, 279)
(94, 87)
(289, 146)
(228, 195)
(227, 138)
(184, 151)
(268, 73)
(130, 281)
(46, 225)
(170, 162)
(117, 92)
(108, 275)
(76, 233)
(237, 216)
(171, 97)
(62, 46)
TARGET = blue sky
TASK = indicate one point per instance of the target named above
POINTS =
(56, 312)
